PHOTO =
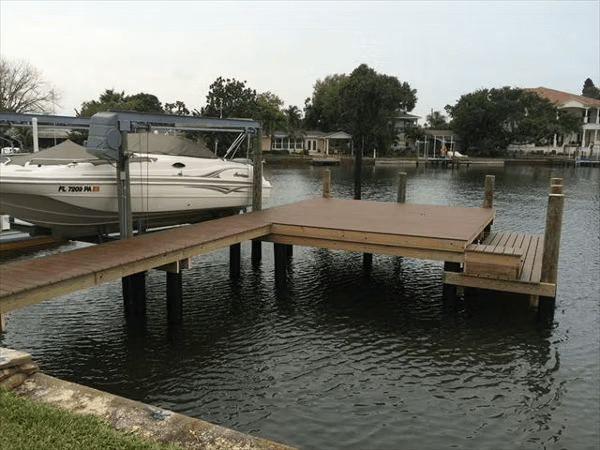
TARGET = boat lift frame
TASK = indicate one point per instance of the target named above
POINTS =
(108, 140)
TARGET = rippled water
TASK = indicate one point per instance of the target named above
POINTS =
(347, 360)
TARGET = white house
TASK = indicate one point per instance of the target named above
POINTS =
(586, 143)
(402, 122)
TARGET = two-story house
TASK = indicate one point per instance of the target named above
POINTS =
(586, 143)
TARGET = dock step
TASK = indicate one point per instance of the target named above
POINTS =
(494, 261)
(498, 247)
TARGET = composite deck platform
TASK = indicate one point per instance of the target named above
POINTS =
(404, 229)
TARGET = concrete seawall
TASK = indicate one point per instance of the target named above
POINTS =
(20, 373)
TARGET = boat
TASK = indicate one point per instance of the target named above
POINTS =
(71, 193)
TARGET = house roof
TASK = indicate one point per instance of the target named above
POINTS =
(564, 99)
(405, 115)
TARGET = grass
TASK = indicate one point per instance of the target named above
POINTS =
(28, 425)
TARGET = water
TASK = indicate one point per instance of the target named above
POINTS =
(346, 360)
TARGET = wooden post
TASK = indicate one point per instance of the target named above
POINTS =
(488, 199)
(554, 215)
(327, 183)
(552, 232)
(2, 323)
(235, 260)
(174, 297)
(124, 190)
(134, 295)
(367, 262)
(280, 254)
(257, 175)
(358, 171)
(256, 251)
(449, 291)
(257, 193)
(402, 187)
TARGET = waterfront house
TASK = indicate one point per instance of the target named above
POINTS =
(314, 143)
(402, 122)
(585, 143)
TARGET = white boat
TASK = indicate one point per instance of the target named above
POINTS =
(74, 194)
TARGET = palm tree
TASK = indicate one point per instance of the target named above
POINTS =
(437, 120)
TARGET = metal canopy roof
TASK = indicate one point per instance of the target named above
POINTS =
(130, 120)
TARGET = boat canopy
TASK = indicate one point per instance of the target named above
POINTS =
(139, 143)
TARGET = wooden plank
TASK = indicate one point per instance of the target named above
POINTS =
(526, 273)
(496, 264)
(510, 242)
(435, 221)
(371, 238)
(493, 239)
(515, 286)
(536, 272)
(524, 248)
(408, 252)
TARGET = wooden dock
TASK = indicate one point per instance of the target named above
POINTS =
(457, 235)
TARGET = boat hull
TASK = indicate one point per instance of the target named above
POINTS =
(77, 200)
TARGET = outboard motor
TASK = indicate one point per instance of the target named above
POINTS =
(104, 136)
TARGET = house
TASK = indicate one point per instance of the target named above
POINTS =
(309, 142)
(586, 143)
(402, 122)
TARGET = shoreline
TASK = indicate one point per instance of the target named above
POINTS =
(300, 160)
(20, 374)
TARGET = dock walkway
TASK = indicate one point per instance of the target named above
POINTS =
(402, 229)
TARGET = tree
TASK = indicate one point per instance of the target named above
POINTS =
(324, 109)
(368, 100)
(23, 89)
(268, 112)
(179, 109)
(488, 120)
(437, 120)
(110, 99)
(230, 98)
(293, 117)
(361, 104)
(590, 90)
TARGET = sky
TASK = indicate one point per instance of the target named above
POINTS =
(177, 49)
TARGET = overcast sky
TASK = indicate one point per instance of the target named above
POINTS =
(176, 49)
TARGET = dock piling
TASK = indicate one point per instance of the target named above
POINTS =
(281, 258)
(174, 297)
(256, 251)
(235, 260)
(401, 187)
(134, 295)
(256, 192)
(554, 214)
(327, 183)
(367, 262)
(449, 291)
(488, 199)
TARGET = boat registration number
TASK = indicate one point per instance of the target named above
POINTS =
(79, 188)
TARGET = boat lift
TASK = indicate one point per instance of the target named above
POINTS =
(108, 140)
